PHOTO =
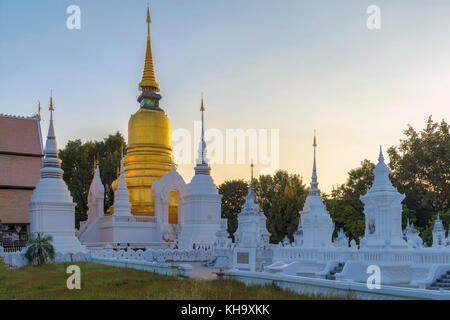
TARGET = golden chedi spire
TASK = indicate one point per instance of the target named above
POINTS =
(148, 77)
(39, 110)
(51, 107)
(315, 142)
(149, 150)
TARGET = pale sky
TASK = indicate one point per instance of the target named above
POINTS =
(290, 65)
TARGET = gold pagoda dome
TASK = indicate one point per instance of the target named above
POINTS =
(149, 151)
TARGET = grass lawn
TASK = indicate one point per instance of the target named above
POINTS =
(104, 282)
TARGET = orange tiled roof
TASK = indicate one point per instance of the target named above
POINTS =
(20, 135)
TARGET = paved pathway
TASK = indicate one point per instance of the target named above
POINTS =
(200, 272)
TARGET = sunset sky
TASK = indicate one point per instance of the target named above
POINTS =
(290, 65)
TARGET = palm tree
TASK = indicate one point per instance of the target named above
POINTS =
(39, 249)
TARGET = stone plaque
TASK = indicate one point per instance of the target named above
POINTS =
(243, 257)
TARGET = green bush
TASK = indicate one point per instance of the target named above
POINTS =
(39, 249)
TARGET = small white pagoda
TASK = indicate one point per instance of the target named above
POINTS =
(52, 210)
(383, 211)
(315, 225)
(252, 241)
(439, 239)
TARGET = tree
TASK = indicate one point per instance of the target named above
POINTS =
(39, 249)
(421, 169)
(344, 205)
(280, 197)
(78, 165)
(233, 197)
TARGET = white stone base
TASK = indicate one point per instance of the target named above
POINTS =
(199, 234)
(68, 244)
(113, 230)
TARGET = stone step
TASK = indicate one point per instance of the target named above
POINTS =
(441, 285)
(443, 280)
(438, 288)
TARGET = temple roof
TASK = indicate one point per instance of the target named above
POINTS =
(20, 135)
(20, 160)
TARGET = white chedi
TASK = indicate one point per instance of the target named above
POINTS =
(95, 204)
(252, 230)
(316, 223)
(52, 210)
(202, 203)
(122, 205)
(439, 239)
(383, 211)
(96, 196)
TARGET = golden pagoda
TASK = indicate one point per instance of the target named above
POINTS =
(149, 151)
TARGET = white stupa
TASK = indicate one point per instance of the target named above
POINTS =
(252, 230)
(96, 196)
(316, 224)
(52, 211)
(202, 203)
(122, 205)
(439, 239)
(383, 211)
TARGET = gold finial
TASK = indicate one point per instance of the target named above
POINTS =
(149, 77)
(202, 106)
(52, 107)
(39, 110)
(149, 20)
(315, 143)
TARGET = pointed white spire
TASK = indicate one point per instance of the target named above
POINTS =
(314, 189)
(203, 143)
(202, 162)
(122, 205)
(250, 205)
(51, 163)
(381, 173)
(96, 184)
(380, 157)
(251, 177)
(438, 226)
